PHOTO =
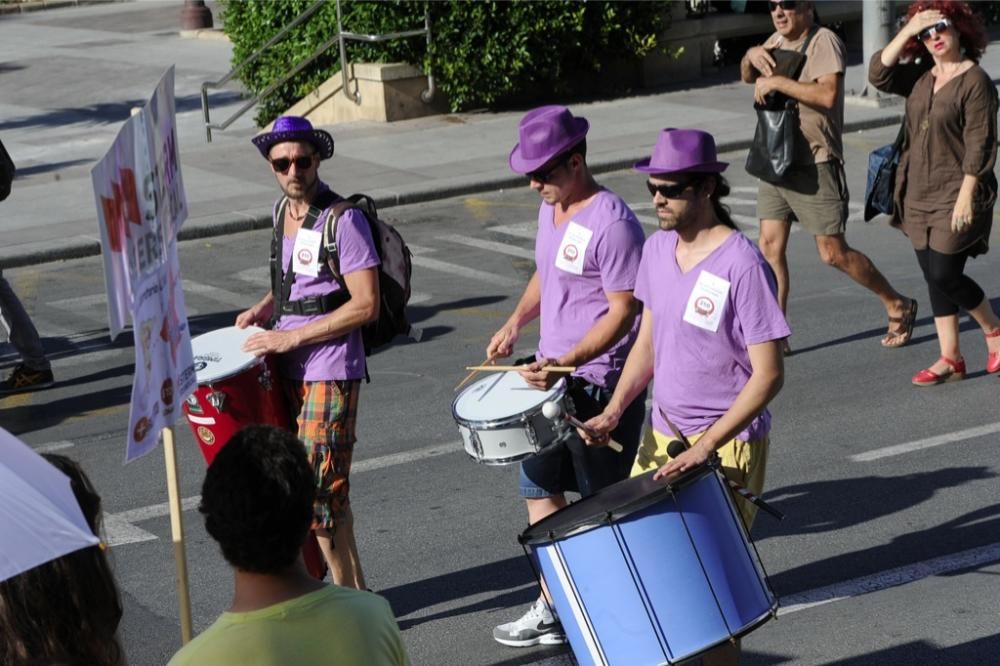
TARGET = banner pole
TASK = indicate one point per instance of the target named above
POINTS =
(177, 533)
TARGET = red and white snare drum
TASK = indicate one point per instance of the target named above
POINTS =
(236, 389)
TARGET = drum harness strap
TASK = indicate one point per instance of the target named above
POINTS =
(281, 281)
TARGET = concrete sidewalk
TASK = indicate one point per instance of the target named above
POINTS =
(69, 77)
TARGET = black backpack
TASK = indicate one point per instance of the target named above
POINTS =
(394, 273)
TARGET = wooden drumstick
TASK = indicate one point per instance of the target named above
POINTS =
(472, 374)
(518, 368)
(553, 410)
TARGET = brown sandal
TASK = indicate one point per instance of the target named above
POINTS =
(901, 328)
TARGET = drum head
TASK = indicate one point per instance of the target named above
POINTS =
(609, 504)
(217, 355)
(501, 395)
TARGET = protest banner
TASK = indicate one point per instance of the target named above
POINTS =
(141, 206)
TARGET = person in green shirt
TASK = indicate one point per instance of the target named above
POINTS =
(257, 503)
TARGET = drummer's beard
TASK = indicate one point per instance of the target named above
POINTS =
(301, 188)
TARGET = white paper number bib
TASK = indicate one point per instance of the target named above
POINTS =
(707, 301)
(305, 252)
(573, 248)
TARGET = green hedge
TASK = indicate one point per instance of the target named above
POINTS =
(483, 54)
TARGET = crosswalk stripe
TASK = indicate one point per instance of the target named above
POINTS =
(462, 271)
(217, 294)
(520, 229)
(488, 245)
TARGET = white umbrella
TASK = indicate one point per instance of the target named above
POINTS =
(40, 519)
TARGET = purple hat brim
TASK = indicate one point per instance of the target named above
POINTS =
(317, 137)
(520, 164)
(708, 167)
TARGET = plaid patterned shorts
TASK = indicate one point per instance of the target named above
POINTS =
(326, 417)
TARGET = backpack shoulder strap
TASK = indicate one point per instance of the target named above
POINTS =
(330, 236)
(277, 217)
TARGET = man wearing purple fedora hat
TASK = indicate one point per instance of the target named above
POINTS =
(318, 320)
(587, 251)
(814, 189)
(711, 330)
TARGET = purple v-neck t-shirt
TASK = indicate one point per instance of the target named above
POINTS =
(343, 357)
(597, 251)
(698, 371)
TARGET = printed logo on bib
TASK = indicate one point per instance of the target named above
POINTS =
(707, 302)
(573, 249)
(306, 251)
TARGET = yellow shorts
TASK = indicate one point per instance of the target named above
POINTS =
(743, 462)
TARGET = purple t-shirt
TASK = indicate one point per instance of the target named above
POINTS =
(597, 251)
(338, 358)
(703, 321)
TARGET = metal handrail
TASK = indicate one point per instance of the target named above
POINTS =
(341, 36)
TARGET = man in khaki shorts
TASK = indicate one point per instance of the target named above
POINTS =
(814, 190)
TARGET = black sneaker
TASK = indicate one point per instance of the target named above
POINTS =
(539, 626)
(24, 379)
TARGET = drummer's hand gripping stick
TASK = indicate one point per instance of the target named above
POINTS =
(553, 411)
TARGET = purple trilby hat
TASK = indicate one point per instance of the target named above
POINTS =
(294, 128)
(544, 133)
(682, 150)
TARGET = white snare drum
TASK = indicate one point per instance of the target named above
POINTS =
(500, 418)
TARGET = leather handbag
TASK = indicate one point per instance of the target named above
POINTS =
(773, 147)
(881, 183)
(7, 171)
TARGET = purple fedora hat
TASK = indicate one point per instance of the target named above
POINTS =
(543, 133)
(294, 128)
(682, 150)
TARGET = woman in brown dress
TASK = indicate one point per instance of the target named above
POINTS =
(945, 186)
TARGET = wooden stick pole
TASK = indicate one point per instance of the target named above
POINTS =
(469, 376)
(518, 368)
(177, 533)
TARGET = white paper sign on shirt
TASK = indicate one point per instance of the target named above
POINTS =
(707, 302)
(141, 205)
(573, 249)
(305, 252)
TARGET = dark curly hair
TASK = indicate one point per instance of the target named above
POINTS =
(65, 611)
(257, 499)
(971, 34)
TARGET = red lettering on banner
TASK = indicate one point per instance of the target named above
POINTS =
(121, 208)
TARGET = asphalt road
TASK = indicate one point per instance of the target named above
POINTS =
(887, 556)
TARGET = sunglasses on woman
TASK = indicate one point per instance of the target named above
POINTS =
(283, 164)
(787, 5)
(667, 191)
(932, 31)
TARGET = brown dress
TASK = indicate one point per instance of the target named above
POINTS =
(947, 135)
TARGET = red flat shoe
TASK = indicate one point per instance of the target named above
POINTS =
(993, 358)
(928, 377)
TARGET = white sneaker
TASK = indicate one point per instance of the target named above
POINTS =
(539, 626)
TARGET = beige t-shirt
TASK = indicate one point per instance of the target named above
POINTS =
(822, 128)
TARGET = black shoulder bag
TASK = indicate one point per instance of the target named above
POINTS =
(773, 147)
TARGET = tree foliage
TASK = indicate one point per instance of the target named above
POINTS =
(482, 54)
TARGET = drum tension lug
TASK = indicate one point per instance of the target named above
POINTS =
(217, 399)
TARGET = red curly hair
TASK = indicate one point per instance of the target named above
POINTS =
(971, 33)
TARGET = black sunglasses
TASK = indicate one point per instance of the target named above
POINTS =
(932, 31)
(545, 176)
(784, 4)
(667, 191)
(283, 164)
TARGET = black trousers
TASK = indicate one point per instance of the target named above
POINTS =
(948, 285)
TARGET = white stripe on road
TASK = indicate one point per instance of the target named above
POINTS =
(53, 446)
(462, 271)
(119, 528)
(491, 246)
(520, 230)
(917, 445)
(216, 294)
(966, 559)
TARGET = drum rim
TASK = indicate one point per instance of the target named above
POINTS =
(257, 360)
(503, 422)
(538, 534)
(765, 617)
